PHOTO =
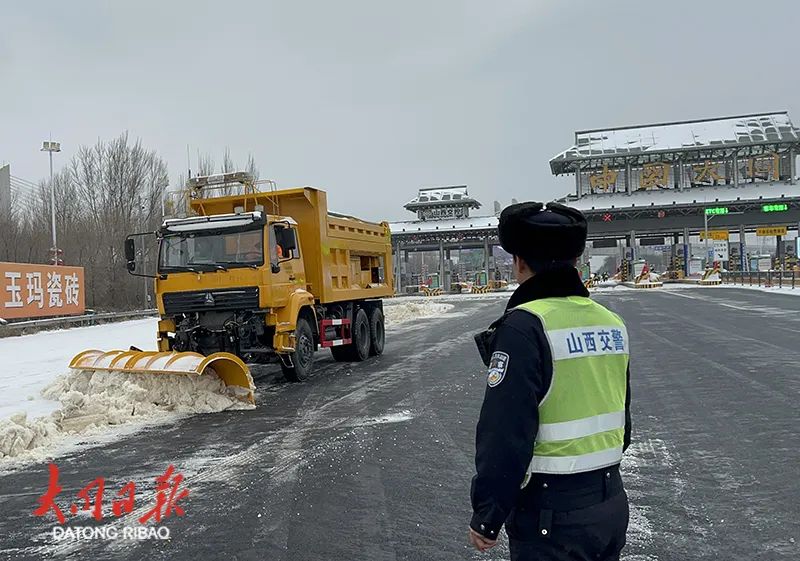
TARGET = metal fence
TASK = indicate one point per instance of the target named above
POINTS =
(788, 279)
(32, 326)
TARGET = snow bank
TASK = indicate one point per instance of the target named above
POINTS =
(399, 312)
(31, 362)
(43, 411)
(610, 286)
(93, 401)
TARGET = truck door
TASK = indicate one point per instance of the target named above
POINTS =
(286, 262)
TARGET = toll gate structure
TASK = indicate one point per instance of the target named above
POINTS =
(706, 178)
(444, 223)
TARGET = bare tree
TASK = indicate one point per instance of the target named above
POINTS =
(206, 166)
(104, 193)
(251, 167)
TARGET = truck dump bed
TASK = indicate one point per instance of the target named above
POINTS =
(345, 258)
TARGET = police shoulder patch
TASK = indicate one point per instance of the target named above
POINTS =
(498, 365)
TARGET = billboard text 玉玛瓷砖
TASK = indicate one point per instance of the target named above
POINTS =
(35, 291)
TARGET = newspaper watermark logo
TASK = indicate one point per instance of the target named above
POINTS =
(87, 533)
(168, 494)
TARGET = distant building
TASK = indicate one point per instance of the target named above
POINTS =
(444, 226)
(5, 188)
(439, 203)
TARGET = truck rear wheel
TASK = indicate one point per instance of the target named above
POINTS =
(359, 349)
(377, 332)
(341, 353)
(303, 355)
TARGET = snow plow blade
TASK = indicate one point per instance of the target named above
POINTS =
(230, 368)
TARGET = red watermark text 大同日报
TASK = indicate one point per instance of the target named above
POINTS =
(168, 494)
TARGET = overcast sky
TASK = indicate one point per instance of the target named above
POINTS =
(371, 100)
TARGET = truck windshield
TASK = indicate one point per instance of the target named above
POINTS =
(211, 250)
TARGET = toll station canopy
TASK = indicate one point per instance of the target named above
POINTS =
(685, 140)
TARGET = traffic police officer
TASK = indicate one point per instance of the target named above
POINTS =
(556, 414)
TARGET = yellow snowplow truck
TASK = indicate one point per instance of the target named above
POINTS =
(259, 277)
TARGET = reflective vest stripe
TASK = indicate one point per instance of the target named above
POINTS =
(575, 464)
(582, 427)
(581, 445)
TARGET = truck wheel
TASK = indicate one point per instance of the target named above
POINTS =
(303, 355)
(341, 353)
(361, 337)
(358, 350)
(377, 332)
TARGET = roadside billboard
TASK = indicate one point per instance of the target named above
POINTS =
(37, 291)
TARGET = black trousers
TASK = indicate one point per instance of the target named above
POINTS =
(568, 524)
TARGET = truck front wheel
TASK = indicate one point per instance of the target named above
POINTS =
(303, 355)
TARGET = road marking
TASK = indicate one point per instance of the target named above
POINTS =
(740, 307)
(717, 302)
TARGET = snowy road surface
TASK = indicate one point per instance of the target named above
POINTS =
(372, 461)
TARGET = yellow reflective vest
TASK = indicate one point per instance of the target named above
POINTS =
(582, 416)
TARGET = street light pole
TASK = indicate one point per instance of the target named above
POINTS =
(50, 147)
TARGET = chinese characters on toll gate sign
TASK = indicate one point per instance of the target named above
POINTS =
(34, 291)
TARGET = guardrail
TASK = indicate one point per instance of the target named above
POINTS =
(11, 329)
(789, 279)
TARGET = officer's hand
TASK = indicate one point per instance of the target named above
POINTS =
(479, 542)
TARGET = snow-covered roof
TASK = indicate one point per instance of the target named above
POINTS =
(458, 224)
(724, 132)
(695, 195)
(434, 196)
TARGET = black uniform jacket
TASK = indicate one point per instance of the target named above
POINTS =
(509, 418)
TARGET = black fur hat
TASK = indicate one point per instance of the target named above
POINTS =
(539, 232)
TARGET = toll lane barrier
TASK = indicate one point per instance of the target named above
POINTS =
(432, 291)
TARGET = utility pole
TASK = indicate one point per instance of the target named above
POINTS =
(143, 252)
(49, 146)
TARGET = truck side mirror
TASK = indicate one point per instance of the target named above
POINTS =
(130, 254)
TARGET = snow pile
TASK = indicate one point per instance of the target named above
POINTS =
(94, 400)
(405, 311)
(31, 362)
(610, 288)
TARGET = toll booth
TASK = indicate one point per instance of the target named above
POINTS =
(761, 262)
(696, 266)
(638, 267)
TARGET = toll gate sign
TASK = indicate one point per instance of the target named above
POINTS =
(720, 251)
(36, 291)
(772, 231)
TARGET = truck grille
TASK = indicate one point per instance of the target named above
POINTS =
(208, 300)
